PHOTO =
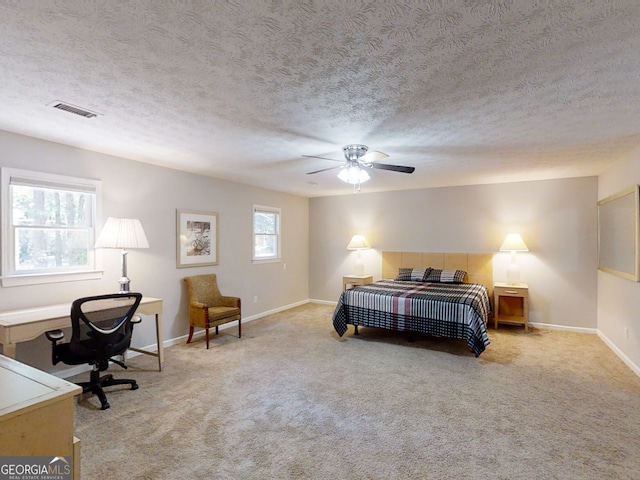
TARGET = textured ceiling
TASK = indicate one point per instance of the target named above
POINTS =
(467, 92)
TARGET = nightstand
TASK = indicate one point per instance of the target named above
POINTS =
(354, 280)
(511, 304)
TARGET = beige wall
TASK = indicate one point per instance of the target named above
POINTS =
(152, 194)
(556, 218)
(619, 299)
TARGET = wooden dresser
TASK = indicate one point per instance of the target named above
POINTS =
(37, 413)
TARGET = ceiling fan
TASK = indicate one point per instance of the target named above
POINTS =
(357, 160)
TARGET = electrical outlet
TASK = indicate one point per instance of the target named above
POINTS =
(255, 299)
(284, 266)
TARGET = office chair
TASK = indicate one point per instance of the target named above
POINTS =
(208, 307)
(101, 328)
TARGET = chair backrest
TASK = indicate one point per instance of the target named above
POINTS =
(101, 325)
(203, 289)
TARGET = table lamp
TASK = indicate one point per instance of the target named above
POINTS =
(358, 243)
(122, 233)
(513, 243)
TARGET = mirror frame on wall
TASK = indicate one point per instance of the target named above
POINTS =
(618, 224)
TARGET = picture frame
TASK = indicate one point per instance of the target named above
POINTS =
(196, 238)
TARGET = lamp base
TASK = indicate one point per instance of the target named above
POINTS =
(513, 274)
(124, 285)
(359, 265)
(124, 280)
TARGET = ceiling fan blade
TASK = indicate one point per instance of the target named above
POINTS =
(323, 170)
(394, 168)
(373, 155)
(324, 158)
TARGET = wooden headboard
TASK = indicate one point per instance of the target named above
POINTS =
(479, 266)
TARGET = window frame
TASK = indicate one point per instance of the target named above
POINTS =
(278, 234)
(9, 276)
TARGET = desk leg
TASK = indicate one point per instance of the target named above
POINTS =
(159, 336)
(9, 350)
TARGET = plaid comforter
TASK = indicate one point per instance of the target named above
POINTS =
(458, 310)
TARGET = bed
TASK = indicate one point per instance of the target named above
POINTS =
(442, 294)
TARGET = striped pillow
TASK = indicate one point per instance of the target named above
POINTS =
(445, 276)
(413, 274)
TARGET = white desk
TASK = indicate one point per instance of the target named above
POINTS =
(23, 325)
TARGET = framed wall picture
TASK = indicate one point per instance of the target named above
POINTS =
(196, 238)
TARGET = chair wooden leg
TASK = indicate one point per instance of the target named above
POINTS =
(207, 335)
(239, 328)
(216, 329)
(190, 335)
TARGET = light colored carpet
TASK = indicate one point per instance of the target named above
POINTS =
(291, 399)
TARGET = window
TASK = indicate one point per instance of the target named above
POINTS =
(48, 227)
(266, 234)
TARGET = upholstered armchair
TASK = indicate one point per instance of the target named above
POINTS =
(208, 307)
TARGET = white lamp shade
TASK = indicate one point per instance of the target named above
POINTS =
(514, 243)
(353, 175)
(358, 242)
(122, 233)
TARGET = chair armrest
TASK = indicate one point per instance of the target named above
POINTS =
(198, 305)
(230, 301)
(136, 319)
(54, 335)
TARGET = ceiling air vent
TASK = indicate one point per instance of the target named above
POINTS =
(83, 112)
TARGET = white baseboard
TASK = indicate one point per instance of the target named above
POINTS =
(200, 333)
(551, 326)
(69, 372)
(603, 337)
(619, 353)
(322, 302)
(78, 369)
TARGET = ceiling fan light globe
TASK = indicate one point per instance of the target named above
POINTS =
(363, 176)
(353, 175)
